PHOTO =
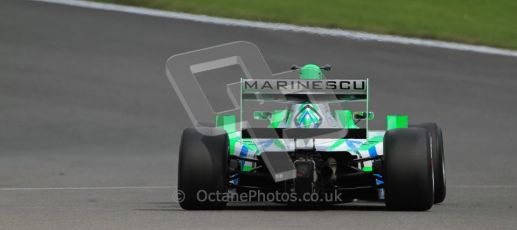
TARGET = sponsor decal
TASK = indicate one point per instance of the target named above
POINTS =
(303, 85)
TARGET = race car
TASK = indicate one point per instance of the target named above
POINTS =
(307, 141)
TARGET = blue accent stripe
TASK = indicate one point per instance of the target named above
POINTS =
(351, 145)
(244, 153)
(378, 179)
(372, 151)
(355, 142)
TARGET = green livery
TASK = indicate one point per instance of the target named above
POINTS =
(303, 133)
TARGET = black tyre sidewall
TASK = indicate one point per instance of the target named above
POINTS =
(202, 167)
(408, 171)
(440, 187)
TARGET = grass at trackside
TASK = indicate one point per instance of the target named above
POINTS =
(487, 22)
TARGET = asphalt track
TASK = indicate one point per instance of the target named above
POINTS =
(89, 124)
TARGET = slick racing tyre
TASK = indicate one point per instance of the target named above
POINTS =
(203, 168)
(408, 170)
(438, 159)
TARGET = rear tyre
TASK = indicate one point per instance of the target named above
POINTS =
(203, 168)
(438, 160)
(408, 170)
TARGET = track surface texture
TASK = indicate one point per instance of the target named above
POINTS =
(88, 113)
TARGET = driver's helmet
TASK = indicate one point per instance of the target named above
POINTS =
(310, 115)
(311, 72)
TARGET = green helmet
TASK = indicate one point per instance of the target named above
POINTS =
(311, 72)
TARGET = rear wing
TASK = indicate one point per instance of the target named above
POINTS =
(297, 91)
(304, 90)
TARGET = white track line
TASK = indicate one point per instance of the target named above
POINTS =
(287, 27)
(504, 186)
(89, 188)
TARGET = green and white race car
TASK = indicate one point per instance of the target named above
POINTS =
(306, 140)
